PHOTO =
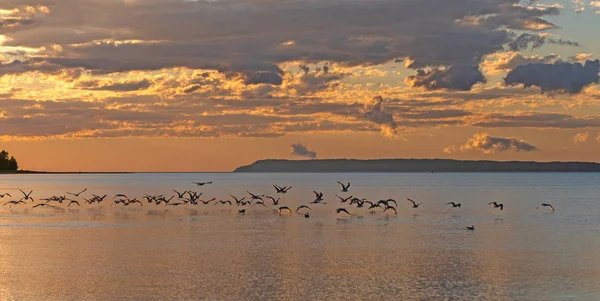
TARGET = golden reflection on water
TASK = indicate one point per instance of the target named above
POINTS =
(213, 253)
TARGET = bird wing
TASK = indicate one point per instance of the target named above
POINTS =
(411, 201)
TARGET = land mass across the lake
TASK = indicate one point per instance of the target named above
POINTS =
(414, 165)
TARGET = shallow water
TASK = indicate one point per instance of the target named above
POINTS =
(208, 252)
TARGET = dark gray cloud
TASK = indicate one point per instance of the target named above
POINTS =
(299, 149)
(558, 77)
(122, 87)
(525, 40)
(460, 78)
(264, 77)
(249, 36)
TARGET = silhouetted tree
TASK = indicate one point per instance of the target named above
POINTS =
(7, 163)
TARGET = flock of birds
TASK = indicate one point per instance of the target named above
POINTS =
(194, 198)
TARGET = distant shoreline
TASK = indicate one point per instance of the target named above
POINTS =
(18, 172)
(413, 165)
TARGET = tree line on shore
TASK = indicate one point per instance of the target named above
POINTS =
(8, 163)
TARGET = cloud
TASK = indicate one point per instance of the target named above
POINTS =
(461, 78)
(122, 87)
(375, 112)
(487, 144)
(537, 120)
(581, 137)
(299, 149)
(248, 36)
(558, 77)
(264, 77)
(509, 60)
(525, 40)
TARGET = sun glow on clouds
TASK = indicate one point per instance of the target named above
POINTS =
(273, 70)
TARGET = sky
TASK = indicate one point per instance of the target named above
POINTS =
(209, 85)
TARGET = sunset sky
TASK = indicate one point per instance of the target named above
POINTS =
(208, 85)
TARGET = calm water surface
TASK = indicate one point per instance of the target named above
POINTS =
(207, 252)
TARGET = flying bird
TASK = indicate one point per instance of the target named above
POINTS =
(2, 195)
(202, 183)
(318, 196)
(74, 202)
(43, 205)
(78, 193)
(392, 208)
(284, 208)
(496, 205)
(302, 206)
(26, 196)
(454, 205)
(471, 227)
(545, 205)
(344, 187)
(13, 203)
(283, 189)
(414, 205)
(343, 200)
(338, 210)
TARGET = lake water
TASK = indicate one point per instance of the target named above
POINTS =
(211, 252)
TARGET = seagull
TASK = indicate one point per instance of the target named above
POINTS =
(496, 205)
(275, 201)
(120, 195)
(471, 228)
(5, 194)
(242, 211)
(77, 194)
(180, 195)
(237, 201)
(253, 196)
(284, 208)
(306, 215)
(338, 210)
(26, 196)
(302, 206)
(454, 205)
(318, 196)
(43, 205)
(133, 201)
(206, 202)
(202, 183)
(280, 189)
(76, 202)
(373, 205)
(177, 204)
(386, 202)
(343, 200)
(13, 203)
(344, 187)
(415, 205)
(545, 205)
(390, 208)
(223, 202)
